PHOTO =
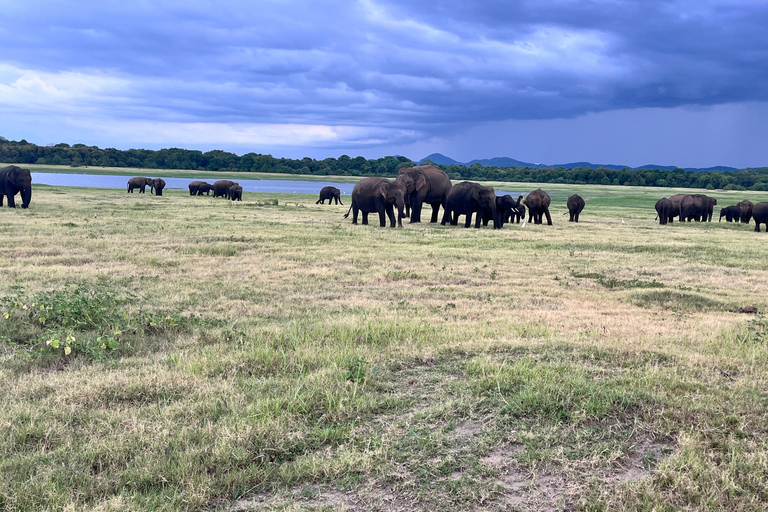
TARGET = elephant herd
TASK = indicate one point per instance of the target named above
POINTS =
(222, 188)
(415, 186)
(700, 207)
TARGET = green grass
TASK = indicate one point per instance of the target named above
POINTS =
(187, 353)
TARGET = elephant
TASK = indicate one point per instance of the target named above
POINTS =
(424, 184)
(711, 202)
(466, 198)
(731, 213)
(221, 188)
(331, 194)
(676, 200)
(538, 203)
(506, 207)
(745, 207)
(378, 195)
(518, 214)
(665, 212)
(158, 184)
(760, 214)
(197, 188)
(235, 192)
(694, 206)
(575, 206)
(14, 179)
(139, 183)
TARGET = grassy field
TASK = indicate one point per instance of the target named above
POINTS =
(188, 353)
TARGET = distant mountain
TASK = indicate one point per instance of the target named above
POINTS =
(503, 161)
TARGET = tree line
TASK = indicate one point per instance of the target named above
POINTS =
(79, 155)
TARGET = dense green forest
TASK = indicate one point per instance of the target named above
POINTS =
(77, 155)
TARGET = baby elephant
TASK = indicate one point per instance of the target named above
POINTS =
(575, 205)
(331, 194)
(235, 192)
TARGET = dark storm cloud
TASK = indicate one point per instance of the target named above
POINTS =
(428, 67)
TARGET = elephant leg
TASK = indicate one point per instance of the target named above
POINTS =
(354, 213)
(576, 217)
(1, 199)
(446, 217)
(391, 214)
(365, 218)
(478, 218)
(570, 218)
(416, 211)
(382, 218)
(435, 211)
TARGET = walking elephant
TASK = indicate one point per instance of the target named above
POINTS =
(575, 206)
(158, 184)
(466, 198)
(331, 194)
(378, 195)
(745, 207)
(424, 184)
(760, 214)
(14, 179)
(139, 183)
(538, 203)
(235, 192)
(665, 211)
(731, 213)
(221, 188)
(198, 188)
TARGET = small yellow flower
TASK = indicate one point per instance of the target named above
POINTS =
(67, 350)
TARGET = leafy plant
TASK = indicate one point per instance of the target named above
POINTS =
(357, 369)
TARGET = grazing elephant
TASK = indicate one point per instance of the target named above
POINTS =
(221, 188)
(760, 214)
(235, 192)
(14, 179)
(424, 184)
(538, 204)
(731, 213)
(694, 206)
(665, 211)
(198, 188)
(331, 194)
(575, 205)
(518, 214)
(158, 184)
(745, 207)
(466, 198)
(139, 183)
(378, 195)
(506, 207)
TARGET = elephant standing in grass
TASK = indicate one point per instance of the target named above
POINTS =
(221, 188)
(198, 188)
(575, 206)
(158, 184)
(467, 198)
(731, 213)
(235, 192)
(518, 213)
(665, 211)
(139, 183)
(760, 214)
(424, 184)
(14, 179)
(505, 208)
(711, 203)
(745, 207)
(378, 195)
(538, 203)
(694, 206)
(331, 194)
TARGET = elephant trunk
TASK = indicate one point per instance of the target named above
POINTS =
(26, 196)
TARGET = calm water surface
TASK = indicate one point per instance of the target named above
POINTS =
(276, 186)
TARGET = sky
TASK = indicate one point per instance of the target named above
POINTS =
(673, 82)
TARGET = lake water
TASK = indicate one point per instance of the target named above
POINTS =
(276, 186)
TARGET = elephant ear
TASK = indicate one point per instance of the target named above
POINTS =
(421, 181)
(476, 193)
(13, 175)
(384, 189)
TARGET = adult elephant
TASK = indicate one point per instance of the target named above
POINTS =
(235, 192)
(331, 194)
(676, 200)
(538, 203)
(694, 207)
(424, 184)
(378, 195)
(139, 183)
(467, 198)
(665, 211)
(575, 205)
(158, 184)
(14, 179)
(731, 213)
(745, 207)
(221, 188)
(760, 214)
(711, 203)
(198, 188)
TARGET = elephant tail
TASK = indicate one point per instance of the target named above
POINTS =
(565, 213)
(347, 214)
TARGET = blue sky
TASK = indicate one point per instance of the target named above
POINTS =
(676, 82)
